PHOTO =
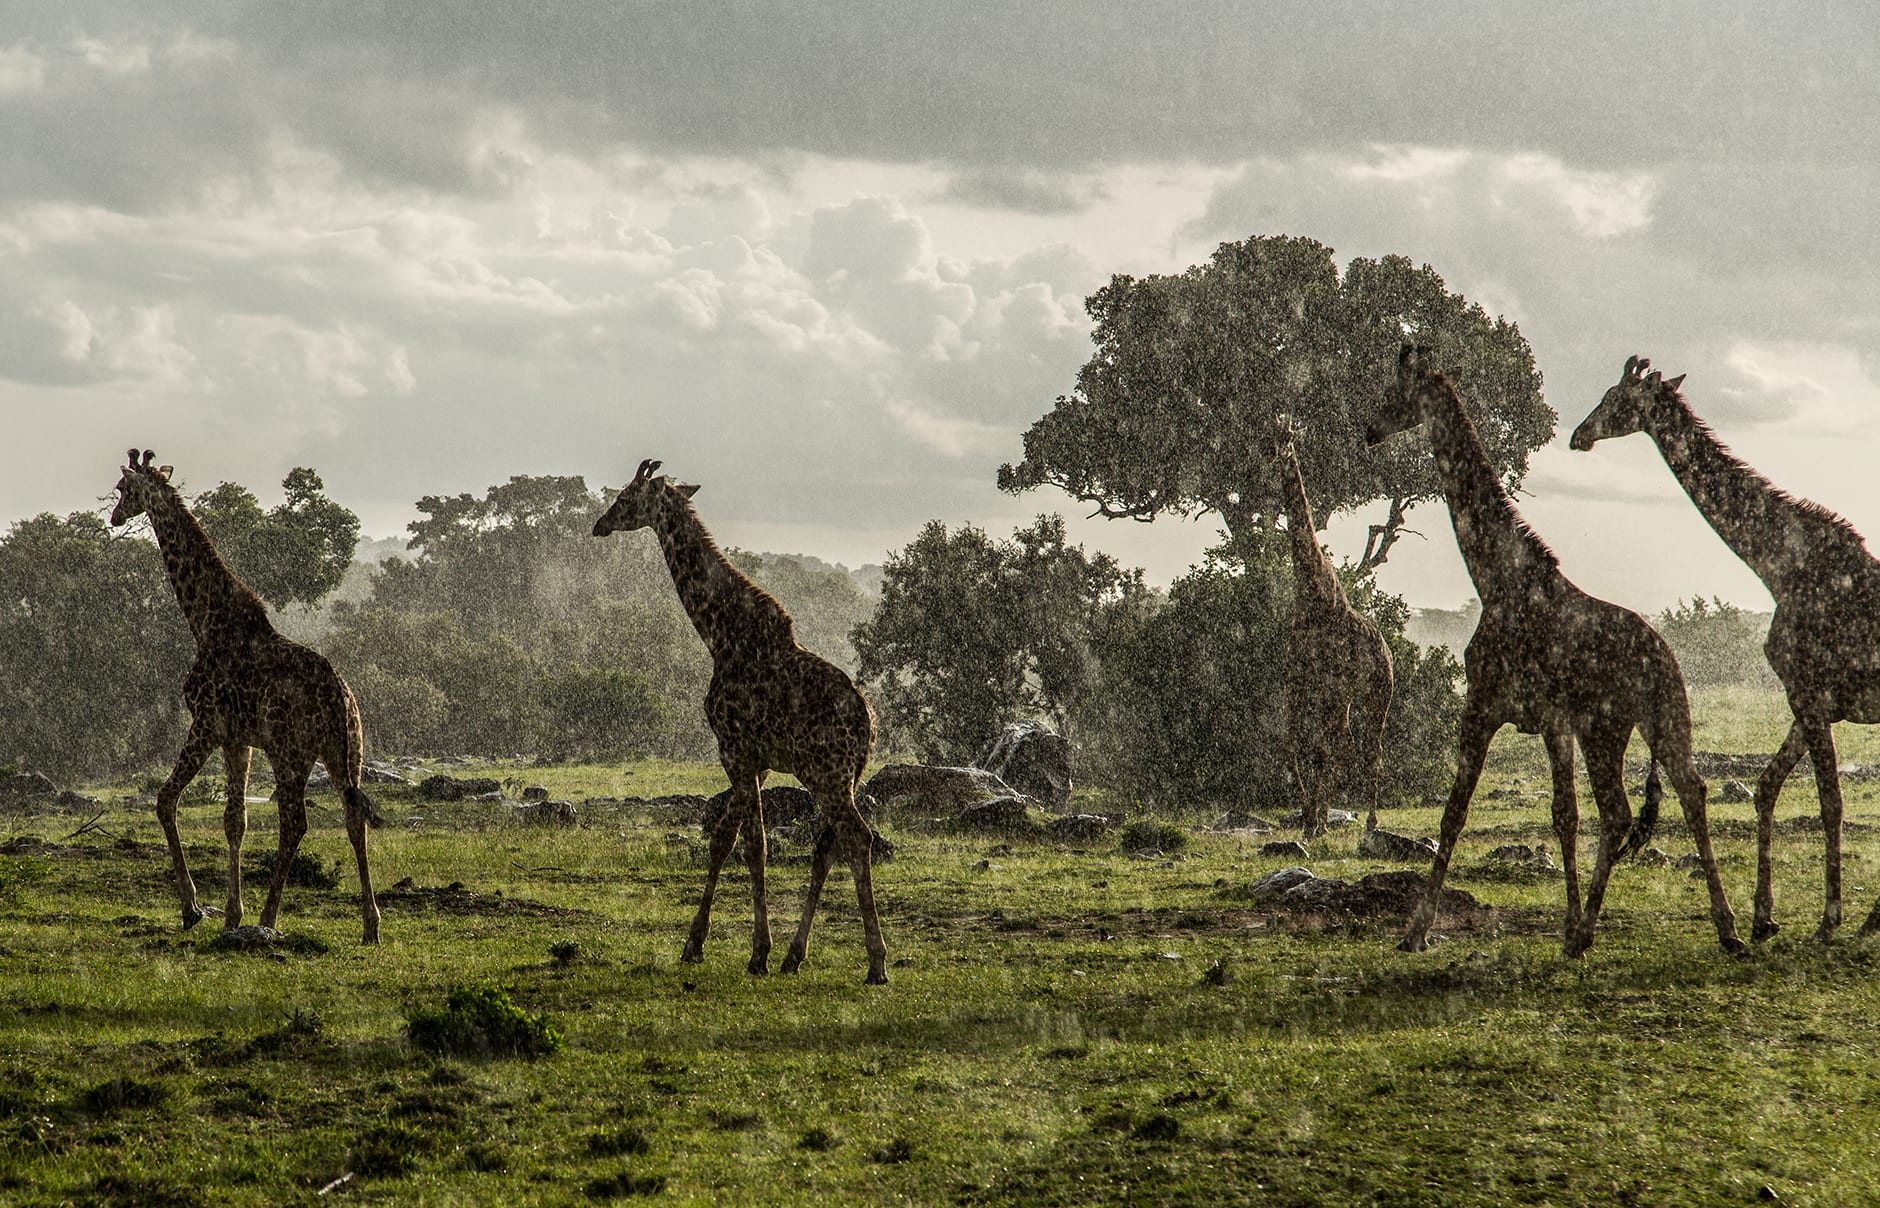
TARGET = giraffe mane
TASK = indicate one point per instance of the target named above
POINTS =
(765, 601)
(1825, 516)
(1521, 526)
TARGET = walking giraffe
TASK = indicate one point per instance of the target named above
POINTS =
(773, 706)
(249, 687)
(1555, 662)
(1824, 640)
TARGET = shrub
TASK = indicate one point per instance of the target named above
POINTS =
(481, 1021)
(1138, 836)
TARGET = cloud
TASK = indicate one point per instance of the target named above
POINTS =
(1026, 191)
(1819, 390)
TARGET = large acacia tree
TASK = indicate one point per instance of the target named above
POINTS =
(1189, 369)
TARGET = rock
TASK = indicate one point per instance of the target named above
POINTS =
(1238, 820)
(1388, 845)
(1735, 792)
(1078, 826)
(1690, 861)
(535, 792)
(1651, 857)
(1032, 758)
(690, 805)
(375, 772)
(1536, 857)
(1274, 884)
(28, 786)
(440, 787)
(1332, 818)
(999, 815)
(251, 935)
(1313, 893)
(70, 799)
(546, 813)
(494, 797)
(1290, 848)
(784, 805)
(930, 789)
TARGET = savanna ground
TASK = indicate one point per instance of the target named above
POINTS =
(1052, 1033)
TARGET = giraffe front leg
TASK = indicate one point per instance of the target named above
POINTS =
(724, 834)
(1763, 923)
(1566, 823)
(234, 825)
(189, 761)
(1820, 737)
(1473, 735)
(756, 854)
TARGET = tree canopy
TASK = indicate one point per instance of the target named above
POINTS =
(294, 553)
(1189, 369)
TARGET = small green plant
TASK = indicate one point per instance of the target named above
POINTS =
(16, 874)
(481, 1021)
(1163, 836)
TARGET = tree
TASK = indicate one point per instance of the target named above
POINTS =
(1189, 368)
(94, 648)
(1188, 713)
(1717, 644)
(294, 553)
(971, 632)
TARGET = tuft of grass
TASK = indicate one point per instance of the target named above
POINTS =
(481, 1021)
(1144, 834)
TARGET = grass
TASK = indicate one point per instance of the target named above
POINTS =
(1063, 1026)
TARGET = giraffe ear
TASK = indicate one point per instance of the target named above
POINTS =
(1675, 382)
(164, 472)
(688, 489)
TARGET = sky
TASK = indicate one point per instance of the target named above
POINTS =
(828, 260)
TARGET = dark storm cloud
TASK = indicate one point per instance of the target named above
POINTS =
(394, 90)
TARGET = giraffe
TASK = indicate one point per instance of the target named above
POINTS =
(773, 706)
(1555, 662)
(1824, 640)
(1337, 662)
(249, 687)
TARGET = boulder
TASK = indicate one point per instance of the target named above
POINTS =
(28, 786)
(1290, 848)
(933, 790)
(1078, 826)
(1240, 820)
(1032, 758)
(535, 792)
(1273, 884)
(546, 813)
(1388, 845)
(999, 815)
(1332, 818)
(784, 805)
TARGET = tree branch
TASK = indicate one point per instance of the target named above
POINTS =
(1382, 536)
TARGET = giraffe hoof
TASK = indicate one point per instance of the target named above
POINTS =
(759, 966)
(1734, 946)
(791, 963)
(1824, 934)
(1413, 943)
(191, 917)
(692, 955)
(876, 977)
(1764, 929)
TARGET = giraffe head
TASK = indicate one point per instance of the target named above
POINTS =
(640, 501)
(138, 487)
(1278, 440)
(1403, 399)
(1627, 404)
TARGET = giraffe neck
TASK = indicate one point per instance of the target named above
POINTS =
(1313, 576)
(1755, 519)
(730, 612)
(1499, 549)
(213, 600)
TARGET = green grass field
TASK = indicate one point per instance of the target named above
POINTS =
(1051, 1033)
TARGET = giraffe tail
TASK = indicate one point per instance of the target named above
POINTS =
(1647, 820)
(357, 801)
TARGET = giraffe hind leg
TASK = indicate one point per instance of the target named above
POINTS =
(290, 800)
(1763, 923)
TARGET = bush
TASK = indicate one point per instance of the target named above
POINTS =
(1139, 836)
(481, 1021)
